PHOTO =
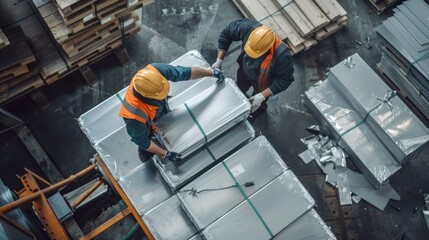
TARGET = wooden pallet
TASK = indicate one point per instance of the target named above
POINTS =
(68, 7)
(300, 23)
(380, 6)
(21, 89)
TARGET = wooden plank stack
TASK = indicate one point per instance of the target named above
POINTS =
(18, 67)
(300, 23)
(80, 33)
(88, 30)
(380, 5)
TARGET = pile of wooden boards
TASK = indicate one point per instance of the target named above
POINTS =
(87, 30)
(18, 67)
(300, 23)
(380, 5)
(60, 37)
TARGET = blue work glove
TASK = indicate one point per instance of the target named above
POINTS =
(217, 73)
(172, 156)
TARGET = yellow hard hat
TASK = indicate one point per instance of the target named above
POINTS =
(260, 41)
(151, 84)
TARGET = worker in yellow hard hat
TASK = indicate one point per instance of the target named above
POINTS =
(264, 62)
(145, 101)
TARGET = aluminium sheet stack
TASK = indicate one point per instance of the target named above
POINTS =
(106, 131)
(226, 213)
(202, 118)
(346, 126)
(405, 56)
(103, 119)
(274, 207)
(398, 128)
(176, 174)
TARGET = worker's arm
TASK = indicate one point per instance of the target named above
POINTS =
(154, 148)
(179, 73)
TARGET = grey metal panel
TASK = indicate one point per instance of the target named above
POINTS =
(169, 221)
(411, 27)
(118, 153)
(366, 150)
(421, 26)
(407, 35)
(103, 119)
(396, 126)
(256, 162)
(216, 109)
(145, 187)
(243, 223)
(176, 174)
(308, 226)
(420, 9)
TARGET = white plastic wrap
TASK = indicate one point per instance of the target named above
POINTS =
(368, 152)
(176, 174)
(203, 117)
(278, 205)
(256, 162)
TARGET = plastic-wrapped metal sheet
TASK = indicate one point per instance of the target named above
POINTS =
(256, 162)
(390, 119)
(176, 174)
(169, 221)
(308, 226)
(145, 187)
(203, 117)
(367, 151)
(103, 119)
(279, 204)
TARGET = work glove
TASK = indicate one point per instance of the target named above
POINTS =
(256, 101)
(172, 156)
(217, 73)
(217, 64)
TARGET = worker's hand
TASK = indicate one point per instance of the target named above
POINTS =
(172, 156)
(256, 101)
(217, 64)
(217, 73)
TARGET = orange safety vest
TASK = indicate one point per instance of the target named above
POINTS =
(265, 65)
(134, 108)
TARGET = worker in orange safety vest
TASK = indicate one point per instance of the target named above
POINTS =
(145, 102)
(265, 62)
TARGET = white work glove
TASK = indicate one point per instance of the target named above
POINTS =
(256, 101)
(217, 64)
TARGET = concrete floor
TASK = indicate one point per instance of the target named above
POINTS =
(163, 39)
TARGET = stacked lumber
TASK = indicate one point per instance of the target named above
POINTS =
(89, 30)
(18, 67)
(300, 23)
(380, 5)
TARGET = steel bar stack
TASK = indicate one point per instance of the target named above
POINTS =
(367, 119)
(405, 53)
(300, 23)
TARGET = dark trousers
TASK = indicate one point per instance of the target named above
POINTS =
(244, 84)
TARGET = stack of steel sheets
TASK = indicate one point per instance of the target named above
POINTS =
(103, 119)
(219, 201)
(209, 113)
(176, 174)
(365, 117)
(405, 57)
(386, 114)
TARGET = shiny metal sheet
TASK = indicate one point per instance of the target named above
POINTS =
(279, 204)
(256, 162)
(203, 117)
(308, 226)
(145, 187)
(103, 119)
(176, 174)
(393, 122)
(169, 221)
(367, 151)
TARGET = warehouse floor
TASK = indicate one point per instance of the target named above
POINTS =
(163, 39)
